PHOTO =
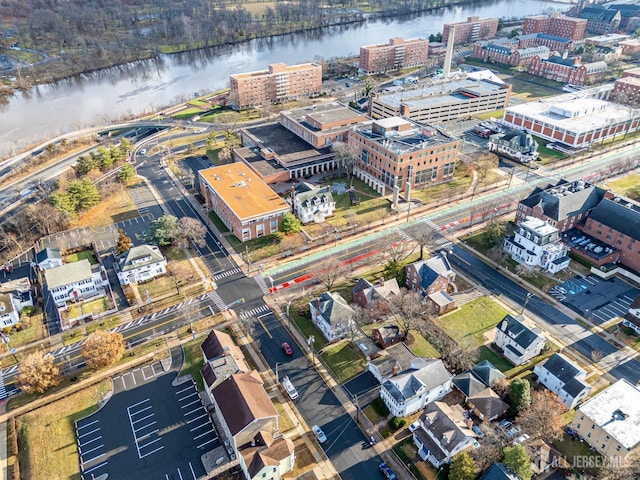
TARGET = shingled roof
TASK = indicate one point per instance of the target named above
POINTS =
(620, 214)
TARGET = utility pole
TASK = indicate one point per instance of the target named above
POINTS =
(526, 300)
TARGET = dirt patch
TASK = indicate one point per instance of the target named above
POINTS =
(304, 459)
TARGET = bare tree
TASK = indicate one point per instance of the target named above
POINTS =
(348, 154)
(38, 372)
(103, 348)
(543, 418)
(425, 236)
(193, 231)
(490, 450)
(398, 251)
(406, 309)
(330, 270)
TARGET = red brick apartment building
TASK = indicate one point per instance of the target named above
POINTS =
(568, 70)
(566, 27)
(244, 203)
(396, 148)
(395, 55)
(277, 84)
(508, 54)
(474, 29)
(601, 20)
(627, 89)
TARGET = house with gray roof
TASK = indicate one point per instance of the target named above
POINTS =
(14, 296)
(517, 145)
(140, 264)
(564, 206)
(430, 276)
(391, 361)
(312, 203)
(49, 258)
(75, 281)
(443, 433)
(517, 341)
(332, 315)
(368, 295)
(487, 405)
(564, 378)
(499, 471)
(426, 381)
(487, 373)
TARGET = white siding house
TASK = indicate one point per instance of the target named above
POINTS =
(312, 204)
(140, 264)
(75, 281)
(332, 315)
(536, 244)
(564, 378)
(518, 342)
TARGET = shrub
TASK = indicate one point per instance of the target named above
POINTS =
(379, 407)
(396, 423)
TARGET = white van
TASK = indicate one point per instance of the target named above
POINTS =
(288, 386)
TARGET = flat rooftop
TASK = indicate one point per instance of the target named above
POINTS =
(324, 113)
(417, 138)
(243, 191)
(542, 111)
(281, 68)
(440, 92)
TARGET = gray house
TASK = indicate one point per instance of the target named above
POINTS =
(332, 315)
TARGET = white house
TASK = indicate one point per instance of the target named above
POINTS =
(75, 281)
(312, 203)
(564, 378)
(140, 264)
(443, 433)
(9, 315)
(518, 342)
(14, 296)
(426, 381)
(48, 258)
(632, 318)
(332, 315)
(536, 244)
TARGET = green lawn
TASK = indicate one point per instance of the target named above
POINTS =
(103, 324)
(187, 112)
(468, 324)
(492, 114)
(217, 221)
(193, 361)
(345, 360)
(627, 185)
(95, 307)
(407, 451)
(570, 449)
(501, 363)
(421, 346)
(306, 327)
(88, 254)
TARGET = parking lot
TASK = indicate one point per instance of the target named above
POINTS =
(594, 298)
(148, 429)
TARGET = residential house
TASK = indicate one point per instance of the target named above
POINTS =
(387, 335)
(632, 318)
(536, 244)
(487, 405)
(48, 258)
(426, 381)
(140, 264)
(368, 295)
(311, 203)
(332, 315)
(564, 378)
(498, 471)
(487, 373)
(610, 421)
(75, 281)
(430, 276)
(516, 144)
(267, 458)
(443, 433)
(391, 361)
(481, 376)
(222, 358)
(564, 206)
(518, 343)
(14, 296)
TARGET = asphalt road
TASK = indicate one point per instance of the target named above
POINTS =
(555, 321)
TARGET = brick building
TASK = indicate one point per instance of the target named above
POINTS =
(395, 149)
(553, 42)
(277, 84)
(568, 70)
(626, 90)
(508, 55)
(629, 15)
(474, 29)
(601, 20)
(393, 56)
(559, 26)
(630, 46)
(244, 203)
(575, 120)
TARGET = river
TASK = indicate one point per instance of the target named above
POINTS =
(102, 97)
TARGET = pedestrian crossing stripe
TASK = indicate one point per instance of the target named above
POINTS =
(3, 391)
(254, 311)
(228, 273)
(262, 284)
(218, 301)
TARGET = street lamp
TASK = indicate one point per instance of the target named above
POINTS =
(526, 300)
(310, 342)
(288, 316)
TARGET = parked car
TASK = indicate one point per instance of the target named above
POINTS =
(386, 471)
(286, 348)
(317, 431)
(288, 386)
(414, 426)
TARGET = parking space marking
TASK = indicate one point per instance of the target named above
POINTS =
(93, 459)
(89, 441)
(88, 433)
(192, 472)
(152, 452)
(207, 442)
(92, 450)
(190, 395)
(190, 403)
(205, 433)
(199, 426)
(95, 468)
(86, 424)
(143, 418)
(184, 389)
(197, 418)
(139, 403)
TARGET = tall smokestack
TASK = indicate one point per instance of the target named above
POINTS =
(449, 56)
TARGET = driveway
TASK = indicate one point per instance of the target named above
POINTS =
(148, 429)
(364, 387)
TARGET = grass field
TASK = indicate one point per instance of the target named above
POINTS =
(627, 186)
(421, 347)
(47, 435)
(345, 360)
(116, 208)
(95, 307)
(501, 363)
(467, 325)
(85, 254)
(193, 361)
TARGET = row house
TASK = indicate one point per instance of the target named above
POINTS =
(568, 70)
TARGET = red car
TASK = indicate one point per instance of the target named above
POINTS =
(287, 349)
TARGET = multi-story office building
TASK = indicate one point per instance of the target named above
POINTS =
(398, 150)
(556, 25)
(443, 101)
(244, 203)
(474, 29)
(277, 84)
(395, 55)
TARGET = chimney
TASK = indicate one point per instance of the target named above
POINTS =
(446, 69)
(381, 281)
(395, 369)
(469, 423)
(329, 188)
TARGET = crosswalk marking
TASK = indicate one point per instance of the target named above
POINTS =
(228, 273)
(403, 234)
(261, 283)
(254, 311)
(3, 391)
(217, 300)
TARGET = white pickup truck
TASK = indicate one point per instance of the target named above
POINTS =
(288, 386)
